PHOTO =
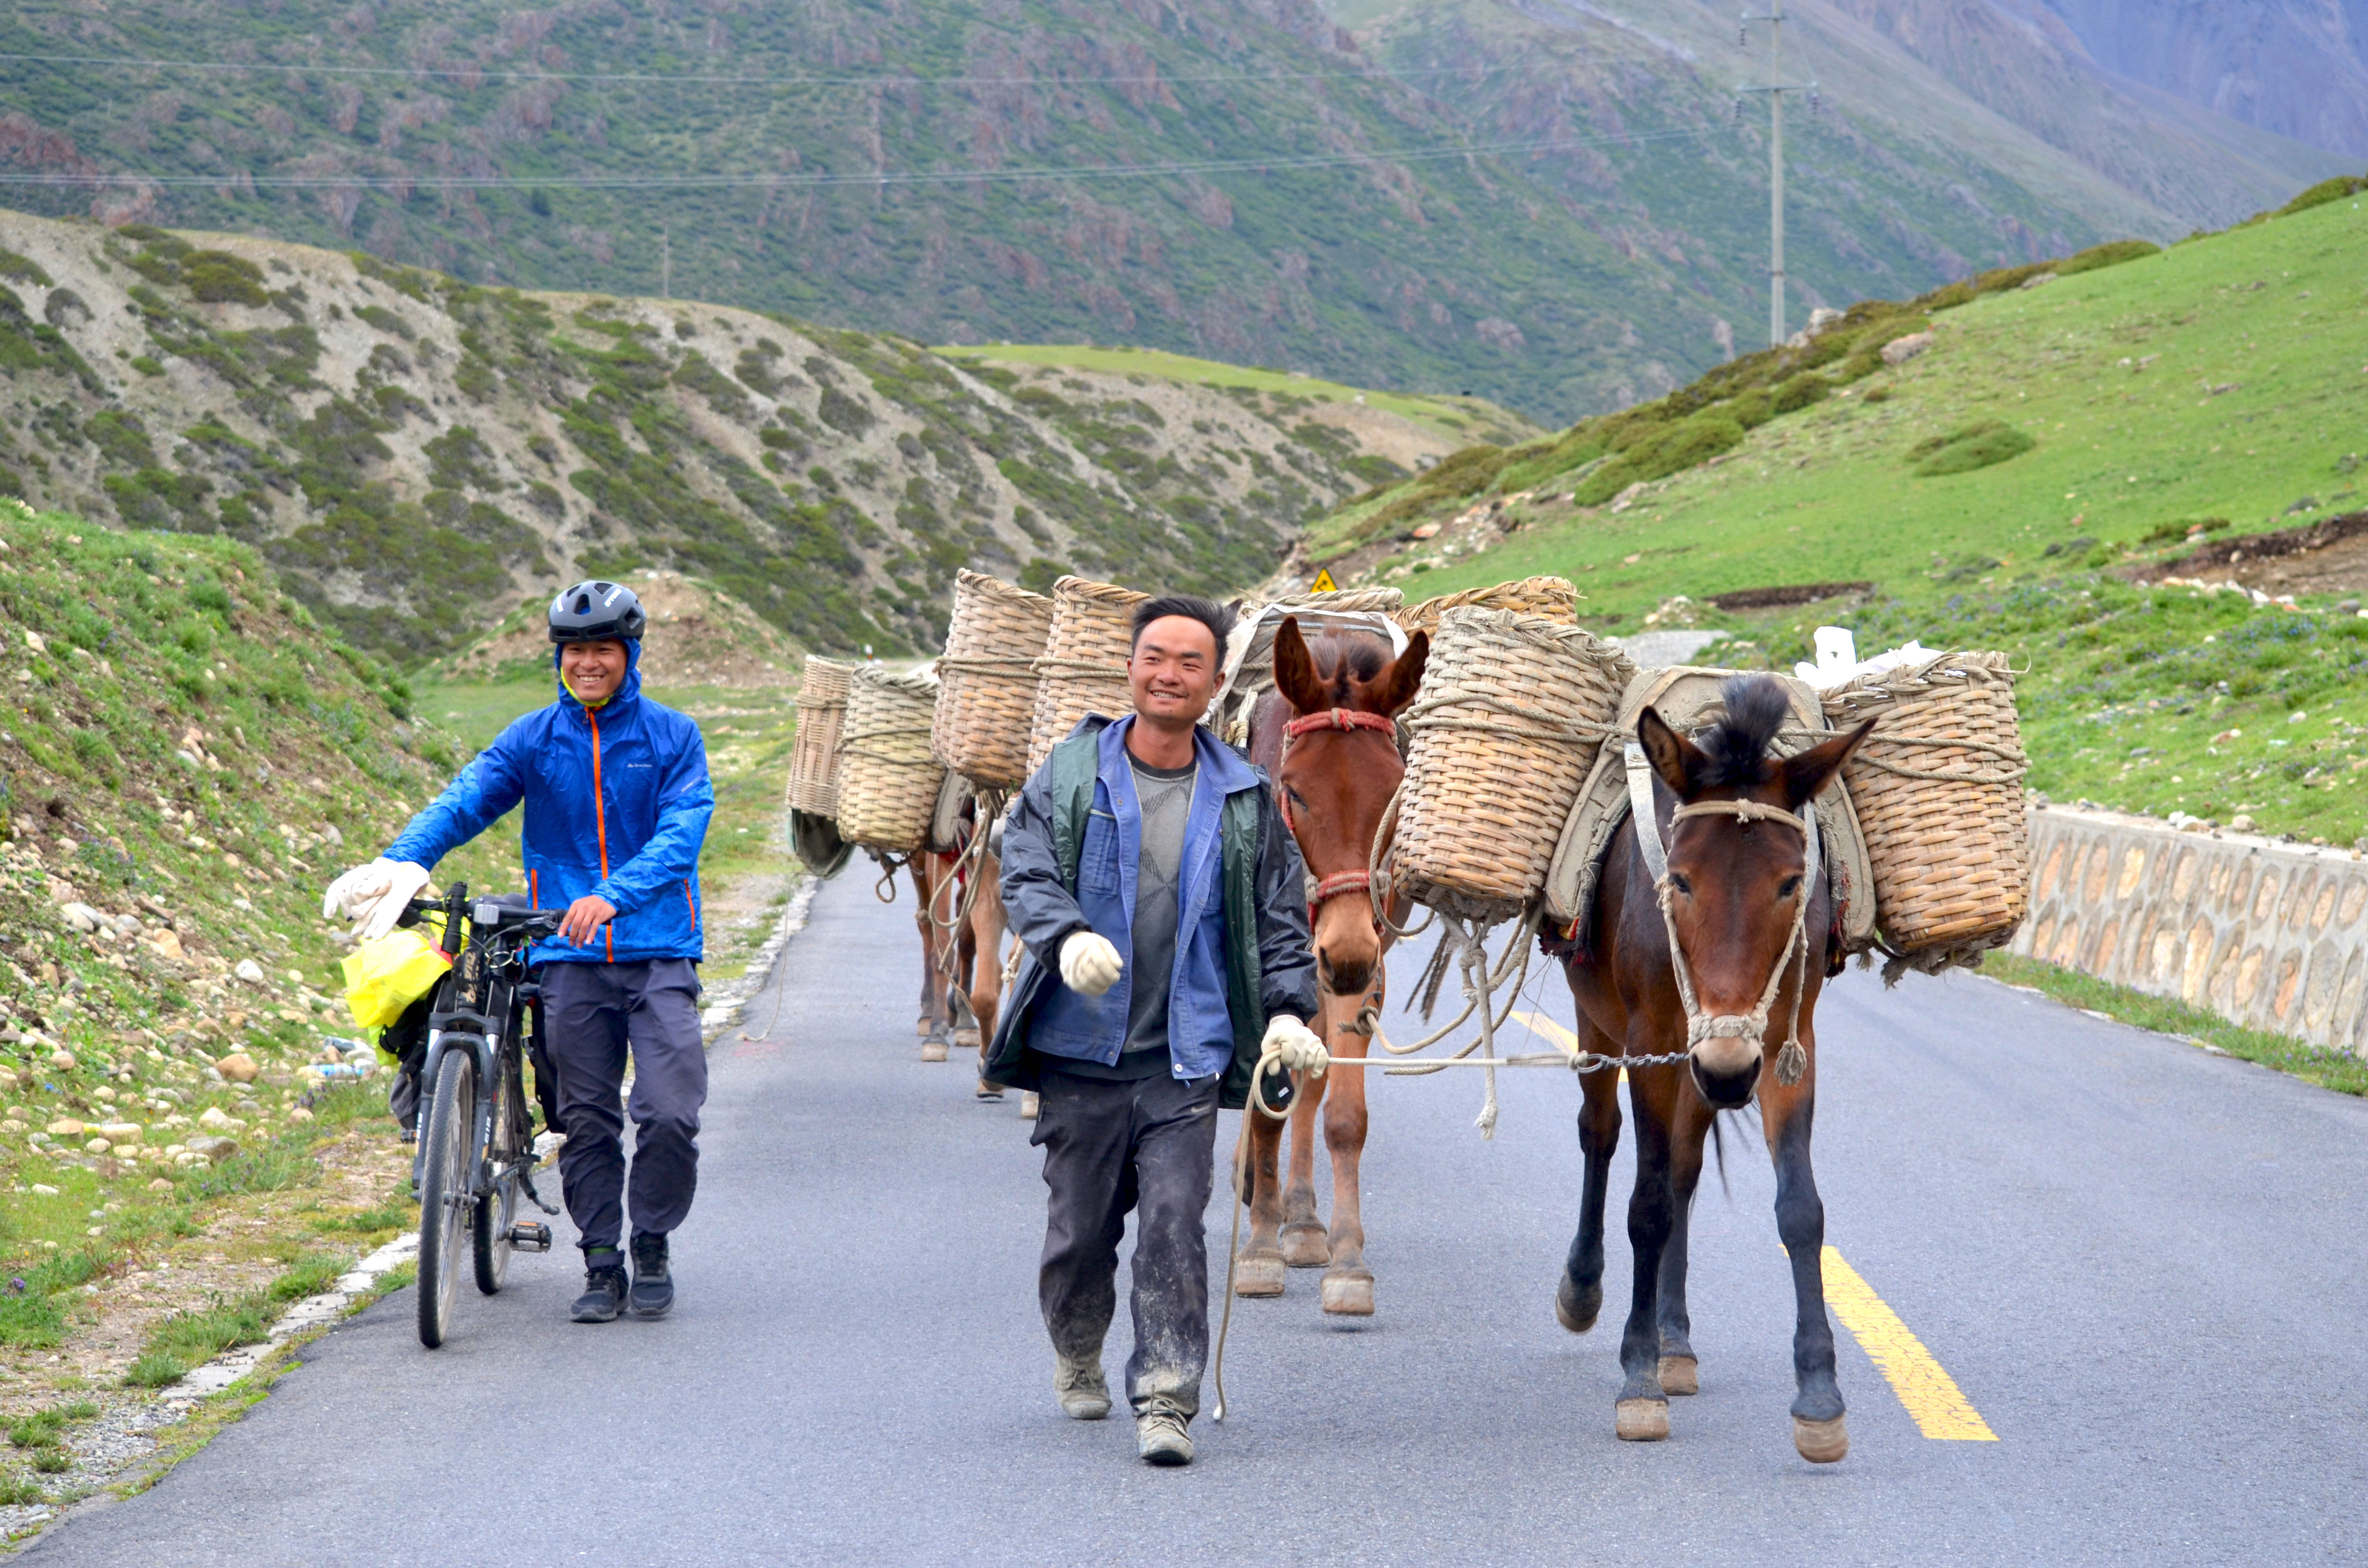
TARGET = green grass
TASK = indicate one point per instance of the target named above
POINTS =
(1470, 419)
(188, 1340)
(2334, 1069)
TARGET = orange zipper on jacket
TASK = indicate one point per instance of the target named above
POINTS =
(600, 819)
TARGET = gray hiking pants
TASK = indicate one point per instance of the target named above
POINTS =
(592, 1012)
(1148, 1146)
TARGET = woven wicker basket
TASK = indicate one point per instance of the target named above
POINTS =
(1514, 708)
(888, 783)
(1939, 791)
(813, 761)
(1083, 669)
(1551, 597)
(987, 697)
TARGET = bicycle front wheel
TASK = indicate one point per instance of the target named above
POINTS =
(445, 1201)
(497, 1210)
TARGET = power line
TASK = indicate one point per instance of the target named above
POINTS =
(881, 177)
(482, 73)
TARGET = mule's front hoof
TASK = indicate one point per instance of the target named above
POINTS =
(1028, 1104)
(1681, 1374)
(1348, 1292)
(1576, 1309)
(987, 1091)
(1258, 1274)
(934, 1049)
(966, 1037)
(1642, 1420)
(1306, 1244)
(1821, 1442)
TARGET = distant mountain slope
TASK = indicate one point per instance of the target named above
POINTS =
(1535, 203)
(416, 454)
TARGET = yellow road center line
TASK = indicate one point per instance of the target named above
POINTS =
(1554, 1034)
(1937, 1407)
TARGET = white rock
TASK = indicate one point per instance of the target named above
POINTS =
(249, 970)
(81, 917)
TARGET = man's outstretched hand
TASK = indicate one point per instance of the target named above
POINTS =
(585, 918)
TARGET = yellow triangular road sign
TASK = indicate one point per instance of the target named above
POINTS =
(1324, 583)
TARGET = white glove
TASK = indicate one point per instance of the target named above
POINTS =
(1089, 965)
(374, 896)
(1295, 1045)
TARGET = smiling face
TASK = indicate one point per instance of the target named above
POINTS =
(592, 671)
(1174, 673)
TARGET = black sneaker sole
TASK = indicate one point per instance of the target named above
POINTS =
(592, 1314)
(642, 1309)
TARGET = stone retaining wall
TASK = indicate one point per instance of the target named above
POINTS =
(2269, 935)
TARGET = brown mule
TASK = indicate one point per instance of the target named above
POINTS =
(1753, 959)
(1326, 736)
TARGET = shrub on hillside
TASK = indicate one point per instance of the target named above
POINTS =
(1799, 392)
(1678, 447)
(1978, 445)
(2324, 191)
(2112, 254)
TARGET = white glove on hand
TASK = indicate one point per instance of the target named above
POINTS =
(1295, 1045)
(1089, 965)
(374, 896)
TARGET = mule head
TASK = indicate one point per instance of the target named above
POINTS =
(1336, 781)
(1736, 884)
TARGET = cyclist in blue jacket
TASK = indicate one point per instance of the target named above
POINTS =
(616, 804)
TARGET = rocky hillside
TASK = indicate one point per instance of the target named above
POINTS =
(697, 636)
(1549, 205)
(417, 455)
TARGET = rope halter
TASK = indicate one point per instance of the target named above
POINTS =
(1750, 1027)
(1340, 885)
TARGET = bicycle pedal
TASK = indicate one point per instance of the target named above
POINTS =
(531, 1235)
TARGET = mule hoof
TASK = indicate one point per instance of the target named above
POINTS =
(1681, 1374)
(1348, 1292)
(987, 1091)
(922, 1025)
(934, 1049)
(966, 1037)
(1576, 1310)
(1642, 1420)
(1028, 1104)
(1260, 1274)
(1821, 1442)
(1306, 1244)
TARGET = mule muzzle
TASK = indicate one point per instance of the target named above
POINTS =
(1725, 1057)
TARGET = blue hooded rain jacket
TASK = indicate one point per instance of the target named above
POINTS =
(616, 802)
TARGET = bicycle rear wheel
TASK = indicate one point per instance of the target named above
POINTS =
(444, 1200)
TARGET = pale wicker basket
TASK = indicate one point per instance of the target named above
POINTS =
(1083, 669)
(987, 696)
(814, 760)
(1514, 708)
(1939, 791)
(1552, 598)
(888, 783)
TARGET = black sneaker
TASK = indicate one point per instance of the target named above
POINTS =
(653, 1286)
(604, 1290)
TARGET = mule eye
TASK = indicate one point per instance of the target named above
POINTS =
(1788, 887)
(1678, 881)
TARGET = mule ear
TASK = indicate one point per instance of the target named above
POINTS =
(1673, 756)
(1294, 670)
(1402, 682)
(1813, 769)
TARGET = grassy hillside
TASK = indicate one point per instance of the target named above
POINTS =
(2056, 432)
(413, 453)
(1556, 214)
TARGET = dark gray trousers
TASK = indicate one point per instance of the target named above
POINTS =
(592, 1012)
(1146, 1146)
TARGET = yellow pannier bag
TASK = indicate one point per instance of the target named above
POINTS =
(388, 974)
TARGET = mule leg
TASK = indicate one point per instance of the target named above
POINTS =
(1642, 1411)
(1305, 1245)
(1579, 1298)
(1819, 1430)
(1348, 1283)
(935, 886)
(1679, 1374)
(1259, 1270)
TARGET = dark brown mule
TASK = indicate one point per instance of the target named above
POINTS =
(939, 899)
(1736, 876)
(1325, 735)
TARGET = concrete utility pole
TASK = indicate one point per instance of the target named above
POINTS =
(666, 263)
(1775, 87)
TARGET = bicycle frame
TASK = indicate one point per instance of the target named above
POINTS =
(481, 1011)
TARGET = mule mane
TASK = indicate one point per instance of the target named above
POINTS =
(1343, 657)
(1738, 744)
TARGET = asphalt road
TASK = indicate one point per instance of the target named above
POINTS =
(2141, 1263)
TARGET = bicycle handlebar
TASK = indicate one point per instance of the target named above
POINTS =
(490, 917)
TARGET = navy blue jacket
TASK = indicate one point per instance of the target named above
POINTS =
(616, 802)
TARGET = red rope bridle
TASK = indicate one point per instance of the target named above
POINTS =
(1340, 885)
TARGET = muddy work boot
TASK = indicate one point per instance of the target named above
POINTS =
(1082, 1390)
(604, 1287)
(653, 1286)
(1160, 1438)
